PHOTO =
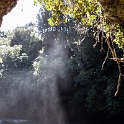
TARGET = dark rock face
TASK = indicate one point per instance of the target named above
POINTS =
(114, 10)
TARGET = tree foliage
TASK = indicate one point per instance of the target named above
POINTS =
(89, 11)
(92, 13)
(64, 61)
(92, 89)
(31, 45)
(19, 48)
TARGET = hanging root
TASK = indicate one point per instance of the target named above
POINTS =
(118, 85)
(105, 59)
(118, 60)
(119, 78)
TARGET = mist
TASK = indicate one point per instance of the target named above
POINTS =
(34, 94)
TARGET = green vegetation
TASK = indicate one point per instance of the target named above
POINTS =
(84, 89)
(90, 12)
(20, 48)
(65, 56)
(105, 17)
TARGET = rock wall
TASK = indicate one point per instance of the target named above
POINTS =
(114, 10)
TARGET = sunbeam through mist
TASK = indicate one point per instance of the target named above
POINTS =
(50, 70)
(35, 94)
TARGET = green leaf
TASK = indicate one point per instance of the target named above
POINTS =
(50, 21)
